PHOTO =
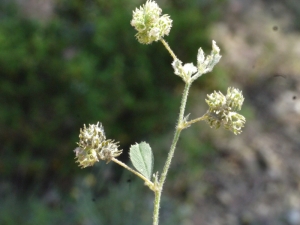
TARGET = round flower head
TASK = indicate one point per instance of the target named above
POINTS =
(229, 120)
(222, 110)
(91, 137)
(149, 23)
(93, 146)
(234, 99)
(109, 150)
(216, 102)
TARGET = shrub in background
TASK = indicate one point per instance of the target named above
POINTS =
(57, 75)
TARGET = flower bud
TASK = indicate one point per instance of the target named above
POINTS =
(184, 71)
(206, 64)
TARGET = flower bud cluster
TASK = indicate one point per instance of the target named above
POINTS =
(93, 146)
(222, 110)
(188, 72)
(149, 23)
(206, 64)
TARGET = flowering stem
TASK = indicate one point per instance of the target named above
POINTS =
(170, 155)
(148, 182)
(196, 120)
(168, 48)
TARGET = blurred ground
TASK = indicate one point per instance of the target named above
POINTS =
(255, 177)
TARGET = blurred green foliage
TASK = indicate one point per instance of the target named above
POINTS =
(125, 203)
(83, 66)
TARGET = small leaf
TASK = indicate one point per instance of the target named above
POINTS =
(142, 158)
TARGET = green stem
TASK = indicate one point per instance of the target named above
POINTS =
(156, 206)
(133, 171)
(170, 155)
(196, 120)
(168, 48)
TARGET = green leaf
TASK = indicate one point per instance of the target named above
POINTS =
(142, 158)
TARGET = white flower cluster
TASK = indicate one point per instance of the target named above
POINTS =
(149, 23)
(189, 72)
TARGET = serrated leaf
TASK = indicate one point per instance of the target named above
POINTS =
(142, 158)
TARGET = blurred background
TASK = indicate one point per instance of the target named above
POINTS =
(65, 63)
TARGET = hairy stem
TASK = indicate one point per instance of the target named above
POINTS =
(168, 48)
(170, 155)
(196, 120)
(156, 206)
